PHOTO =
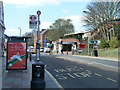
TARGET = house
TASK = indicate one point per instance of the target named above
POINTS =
(2, 29)
(43, 38)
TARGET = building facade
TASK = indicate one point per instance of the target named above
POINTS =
(2, 29)
(67, 45)
(43, 38)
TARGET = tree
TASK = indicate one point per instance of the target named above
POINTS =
(59, 28)
(102, 15)
(114, 42)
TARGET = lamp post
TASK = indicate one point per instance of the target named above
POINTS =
(20, 31)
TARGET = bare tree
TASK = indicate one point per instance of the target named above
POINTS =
(102, 15)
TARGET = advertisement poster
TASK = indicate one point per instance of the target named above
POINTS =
(16, 55)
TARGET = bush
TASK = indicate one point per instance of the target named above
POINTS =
(114, 42)
(104, 43)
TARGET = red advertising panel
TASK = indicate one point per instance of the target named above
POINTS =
(16, 55)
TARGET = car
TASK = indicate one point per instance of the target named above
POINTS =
(41, 49)
(79, 50)
(31, 49)
(47, 50)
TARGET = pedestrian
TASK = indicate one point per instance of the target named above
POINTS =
(61, 51)
(67, 52)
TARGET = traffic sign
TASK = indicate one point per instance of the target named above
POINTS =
(38, 12)
(33, 17)
(33, 21)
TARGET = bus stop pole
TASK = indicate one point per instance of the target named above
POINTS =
(38, 39)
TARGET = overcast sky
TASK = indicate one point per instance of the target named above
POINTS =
(16, 13)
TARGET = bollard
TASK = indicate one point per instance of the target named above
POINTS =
(38, 76)
(95, 53)
(30, 57)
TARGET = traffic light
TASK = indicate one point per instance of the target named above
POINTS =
(51, 46)
(92, 42)
(50, 41)
(61, 42)
(37, 45)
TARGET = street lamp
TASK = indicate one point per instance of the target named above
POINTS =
(20, 31)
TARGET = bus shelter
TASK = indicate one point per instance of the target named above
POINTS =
(16, 53)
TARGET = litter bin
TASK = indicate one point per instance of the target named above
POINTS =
(38, 76)
(95, 53)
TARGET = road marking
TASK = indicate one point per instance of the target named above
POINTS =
(84, 74)
(105, 65)
(70, 75)
(111, 79)
(54, 79)
(98, 74)
(76, 75)
(81, 68)
(81, 60)
(89, 72)
(56, 70)
(61, 76)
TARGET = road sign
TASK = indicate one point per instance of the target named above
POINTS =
(38, 12)
(33, 21)
(33, 18)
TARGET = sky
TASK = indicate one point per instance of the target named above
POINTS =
(16, 13)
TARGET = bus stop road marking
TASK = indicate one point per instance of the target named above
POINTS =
(111, 80)
(98, 74)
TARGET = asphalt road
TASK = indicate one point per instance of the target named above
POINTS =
(77, 72)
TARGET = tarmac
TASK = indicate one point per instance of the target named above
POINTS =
(20, 79)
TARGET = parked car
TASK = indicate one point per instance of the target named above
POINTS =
(47, 50)
(31, 49)
(79, 50)
(41, 49)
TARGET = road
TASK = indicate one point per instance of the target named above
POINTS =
(81, 72)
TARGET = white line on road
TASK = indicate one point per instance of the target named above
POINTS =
(88, 62)
(111, 79)
(98, 74)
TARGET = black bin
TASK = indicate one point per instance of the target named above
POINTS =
(36, 84)
(38, 76)
(38, 71)
(95, 53)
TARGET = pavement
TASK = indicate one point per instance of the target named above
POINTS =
(22, 78)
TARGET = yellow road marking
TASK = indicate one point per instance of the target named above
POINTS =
(70, 75)
(76, 75)
(98, 74)
(81, 68)
(54, 79)
(111, 79)
(84, 74)
(56, 70)
(89, 72)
